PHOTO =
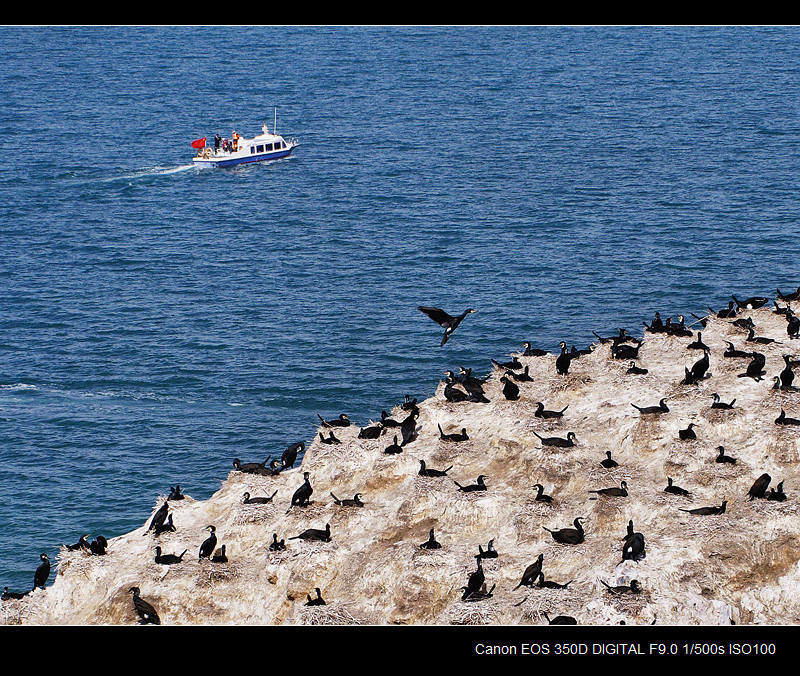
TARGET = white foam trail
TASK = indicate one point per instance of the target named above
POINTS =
(144, 173)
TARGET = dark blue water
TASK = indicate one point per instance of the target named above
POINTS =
(157, 321)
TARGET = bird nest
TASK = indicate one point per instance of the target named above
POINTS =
(466, 613)
(331, 614)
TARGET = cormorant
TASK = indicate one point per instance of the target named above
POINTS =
(559, 619)
(341, 421)
(732, 353)
(688, 434)
(147, 614)
(633, 588)
(783, 420)
(755, 369)
(99, 545)
(490, 553)
(619, 492)
(759, 487)
(247, 500)
(301, 495)
(430, 543)
(167, 559)
(635, 370)
(250, 467)
(394, 448)
(370, 432)
(315, 534)
(475, 581)
(675, 490)
(276, 546)
(794, 295)
(510, 389)
(787, 375)
(722, 458)
(425, 471)
(165, 527)
(532, 351)
(219, 556)
(609, 462)
(329, 440)
(451, 393)
(650, 410)
(752, 303)
(82, 543)
(319, 601)
(386, 421)
(563, 360)
(446, 321)
(524, 377)
(355, 502)
(175, 493)
(721, 404)
(479, 485)
(549, 584)
(541, 412)
(568, 536)
(724, 314)
(453, 437)
(289, 456)
(761, 340)
(9, 595)
(777, 495)
(531, 573)
(540, 496)
(698, 343)
(707, 511)
(513, 365)
(159, 517)
(558, 441)
(42, 572)
(480, 595)
(207, 548)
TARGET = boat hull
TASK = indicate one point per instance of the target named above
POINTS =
(222, 162)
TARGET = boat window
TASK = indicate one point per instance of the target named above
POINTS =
(261, 149)
(268, 147)
(252, 149)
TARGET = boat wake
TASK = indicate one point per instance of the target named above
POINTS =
(147, 173)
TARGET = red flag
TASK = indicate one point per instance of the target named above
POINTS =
(199, 143)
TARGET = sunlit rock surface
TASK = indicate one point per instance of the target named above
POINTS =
(739, 566)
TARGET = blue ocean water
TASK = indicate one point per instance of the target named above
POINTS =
(157, 321)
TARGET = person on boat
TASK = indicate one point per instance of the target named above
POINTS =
(217, 142)
(235, 141)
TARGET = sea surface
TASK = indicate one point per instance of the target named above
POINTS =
(158, 320)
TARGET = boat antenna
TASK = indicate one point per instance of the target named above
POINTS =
(275, 122)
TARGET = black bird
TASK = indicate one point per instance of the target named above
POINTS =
(794, 295)
(319, 601)
(625, 351)
(540, 496)
(761, 340)
(490, 553)
(708, 511)
(9, 595)
(732, 353)
(675, 490)
(301, 495)
(651, 410)
(531, 573)
(785, 388)
(341, 421)
(451, 392)
(752, 303)
(386, 421)
(510, 389)
(167, 559)
(329, 440)
(481, 595)
(513, 365)
(394, 448)
(633, 548)
(276, 546)
(777, 495)
(722, 458)
(541, 412)
(250, 467)
(783, 420)
(633, 588)
(787, 375)
(698, 371)
(147, 614)
(724, 314)
(425, 471)
(759, 487)
(408, 428)
(370, 432)
(755, 369)
(409, 404)
(446, 321)
(165, 527)
(744, 323)
(688, 434)
(42, 572)
(558, 441)
(315, 534)
(475, 581)
(619, 492)
(549, 584)
(635, 370)
(462, 436)
(247, 500)
(175, 493)
(563, 360)
(159, 517)
(430, 543)
(568, 536)
(698, 343)
(355, 502)
(532, 351)
(289, 456)
(479, 485)
(207, 548)
(220, 556)
(99, 545)
(82, 543)
(609, 462)
(721, 404)
(559, 619)
(523, 377)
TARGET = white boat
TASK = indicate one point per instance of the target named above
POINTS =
(240, 150)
